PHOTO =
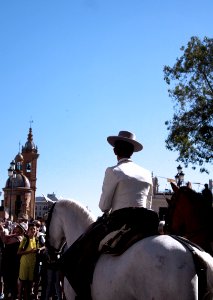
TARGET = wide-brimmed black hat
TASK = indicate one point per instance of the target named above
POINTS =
(127, 137)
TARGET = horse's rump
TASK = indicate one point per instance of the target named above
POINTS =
(154, 268)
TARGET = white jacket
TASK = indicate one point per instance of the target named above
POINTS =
(126, 185)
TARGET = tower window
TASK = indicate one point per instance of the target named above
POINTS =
(19, 166)
(28, 167)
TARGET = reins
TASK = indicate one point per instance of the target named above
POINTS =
(50, 248)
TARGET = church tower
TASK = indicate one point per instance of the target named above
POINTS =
(20, 188)
(29, 167)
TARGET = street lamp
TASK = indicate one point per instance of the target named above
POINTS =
(12, 175)
(179, 177)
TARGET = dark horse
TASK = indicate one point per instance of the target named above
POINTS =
(190, 216)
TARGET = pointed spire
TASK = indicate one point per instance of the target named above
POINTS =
(30, 135)
(29, 145)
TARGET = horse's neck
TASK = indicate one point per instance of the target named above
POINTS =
(188, 212)
(184, 206)
(75, 225)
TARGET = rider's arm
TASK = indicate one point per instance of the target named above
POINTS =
(108, 190)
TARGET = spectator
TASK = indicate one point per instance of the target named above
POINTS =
(43, 227)
(23, 220)
(54, 277)
(10, 260)
(28, 249)
(7, 227)
(39, 267)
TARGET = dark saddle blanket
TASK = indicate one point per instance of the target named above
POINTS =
(117, 242)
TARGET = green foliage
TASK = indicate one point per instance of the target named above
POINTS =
(190, 83)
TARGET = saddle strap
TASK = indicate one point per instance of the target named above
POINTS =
(200, 266)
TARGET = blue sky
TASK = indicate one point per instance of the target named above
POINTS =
(86, 69)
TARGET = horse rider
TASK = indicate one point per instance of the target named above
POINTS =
(126, 193)
(126, 184)
(207, 194)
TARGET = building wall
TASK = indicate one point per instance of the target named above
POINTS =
(42, 206)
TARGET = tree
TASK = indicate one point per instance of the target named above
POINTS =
(191, 88)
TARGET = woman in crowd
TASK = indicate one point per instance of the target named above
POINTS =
(27, 251)
(10, 260)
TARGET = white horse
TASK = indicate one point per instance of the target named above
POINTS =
(155, 268)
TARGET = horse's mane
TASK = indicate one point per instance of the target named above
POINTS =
(68, 206)
(77, 208)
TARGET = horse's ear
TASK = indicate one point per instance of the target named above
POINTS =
(175, 188)
(48, 199)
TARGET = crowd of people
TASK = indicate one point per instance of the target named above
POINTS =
(27, 269)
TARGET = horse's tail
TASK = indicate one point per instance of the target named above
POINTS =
(207, 261)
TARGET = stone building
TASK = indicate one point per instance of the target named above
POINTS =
(42, 206)
(20, 188)
(159, 199)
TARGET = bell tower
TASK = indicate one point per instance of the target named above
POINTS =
(29, 167)
(20, 188)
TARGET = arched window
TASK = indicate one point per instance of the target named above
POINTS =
(28, 167)
(19, 166)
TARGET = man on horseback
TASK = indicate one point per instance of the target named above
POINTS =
(126, 193)
(207, 195)
(126, 184)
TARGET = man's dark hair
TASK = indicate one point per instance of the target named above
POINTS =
(123, 149)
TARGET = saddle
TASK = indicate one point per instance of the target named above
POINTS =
(138, 224)
(117, 242)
